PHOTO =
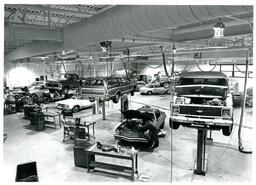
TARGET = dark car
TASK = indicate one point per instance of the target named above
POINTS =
(106, 88)
(62, 87)
(131, 130)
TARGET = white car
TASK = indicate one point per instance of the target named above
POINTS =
(154, 89)
(75, 104)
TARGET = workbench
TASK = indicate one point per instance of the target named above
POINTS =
(93, 151)
(53, 115)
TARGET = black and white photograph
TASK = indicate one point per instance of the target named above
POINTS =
(127, 92)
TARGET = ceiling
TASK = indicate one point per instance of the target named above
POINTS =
(39, 30)
(45, 16)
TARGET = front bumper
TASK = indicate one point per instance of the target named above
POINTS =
(62, 108)
(131, 139)
(201, 121)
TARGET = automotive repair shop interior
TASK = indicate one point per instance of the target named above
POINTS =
(127, 93)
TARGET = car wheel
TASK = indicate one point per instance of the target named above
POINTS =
(166, 85)
(149, 92)
(92, 100)
(173, 124)
(75, 109)
(65, 90)
(116, 98)
(132, 92)
(46, 100)
(33, 96)
(226, 131)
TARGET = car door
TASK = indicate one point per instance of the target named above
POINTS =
(157, 89)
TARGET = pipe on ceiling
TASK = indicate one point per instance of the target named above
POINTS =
(128, 20)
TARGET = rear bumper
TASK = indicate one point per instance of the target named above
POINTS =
(96, 96)
(201, 121)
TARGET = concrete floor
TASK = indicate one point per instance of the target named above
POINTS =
(55, 162)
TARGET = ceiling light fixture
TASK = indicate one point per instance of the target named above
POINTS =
(218, 40)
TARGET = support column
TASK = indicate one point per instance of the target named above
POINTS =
(103, 110)
(124, 105)
(201, 160)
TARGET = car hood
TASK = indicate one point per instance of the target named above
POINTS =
(135, 114)
(201, 91)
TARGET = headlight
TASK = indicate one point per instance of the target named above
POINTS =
(175, 109)
(226, 112)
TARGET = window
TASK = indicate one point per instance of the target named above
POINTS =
(157, 86)
(112, 81)
(205, 81)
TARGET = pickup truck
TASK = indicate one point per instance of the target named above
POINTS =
(62, 87)
(106, 88)
(202, 99)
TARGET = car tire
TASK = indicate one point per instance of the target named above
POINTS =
(75, 108)
(173, 124)
(226, 131)
(166, 85)
(132, 93)
(65, 90)
(116, 98)
(92, 100)
(149, 92)
(46, 100)
(34, 96)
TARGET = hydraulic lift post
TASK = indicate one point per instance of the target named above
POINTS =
(103, 110)
(201, 164)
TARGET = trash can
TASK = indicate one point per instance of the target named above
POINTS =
(26, 172)
(80, 157)
(37, 119)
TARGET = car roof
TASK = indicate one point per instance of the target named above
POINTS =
(149, 110)
(203, 74)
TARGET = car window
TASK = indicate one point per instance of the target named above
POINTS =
(206, 81)
(151, 86)
(157, 86)
(112, 81)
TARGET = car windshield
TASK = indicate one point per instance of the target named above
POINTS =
(97, 82)
(205, 81)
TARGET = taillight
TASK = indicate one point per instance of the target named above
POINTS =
(175, 109)
(226, 112)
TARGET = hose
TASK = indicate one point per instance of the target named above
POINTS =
(240, 144)
(164, 62)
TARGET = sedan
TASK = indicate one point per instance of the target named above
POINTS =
(154, 89)
(75, 104)
(131, 130)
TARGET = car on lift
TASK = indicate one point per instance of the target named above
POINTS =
(130, 129)
(154, 88)
(202, 100)
(106, 88)
(62, 87)
(75, 104)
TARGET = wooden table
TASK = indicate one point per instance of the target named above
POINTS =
(52, 115)
(93, 150)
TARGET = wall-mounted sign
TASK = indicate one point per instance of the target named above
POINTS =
(197, 55)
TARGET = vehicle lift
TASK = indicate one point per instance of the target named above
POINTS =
(202, 157)
(124, 106)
